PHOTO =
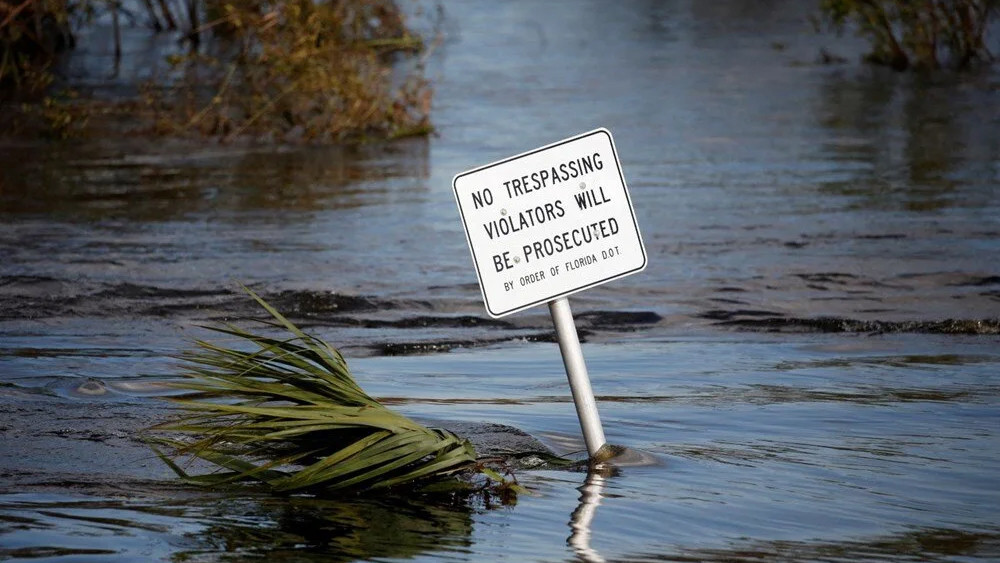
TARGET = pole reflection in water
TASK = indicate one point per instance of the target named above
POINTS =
(591, 493)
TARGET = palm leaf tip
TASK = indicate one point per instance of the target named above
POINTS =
(287, 413)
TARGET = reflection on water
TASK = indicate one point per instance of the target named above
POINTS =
(150, 182)
(201, 528)
(582, 518)
(55, 527)
(310, 529)
(909, 142)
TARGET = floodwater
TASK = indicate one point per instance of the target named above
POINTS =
(810, 360)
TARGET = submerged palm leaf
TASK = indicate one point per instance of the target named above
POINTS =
(290, 415)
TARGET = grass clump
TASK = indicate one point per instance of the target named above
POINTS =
(32, 33)
(919, 34)
(288, 414)
(300, 70)
(281, 70)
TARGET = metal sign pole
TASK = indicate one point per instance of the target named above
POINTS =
(517, 232)
(579, 381)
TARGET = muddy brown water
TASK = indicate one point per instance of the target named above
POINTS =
(810, 359)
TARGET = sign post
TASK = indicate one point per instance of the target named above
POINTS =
(548, 223)
(576, 372)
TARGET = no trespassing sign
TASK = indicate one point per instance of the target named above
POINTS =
(549, 222)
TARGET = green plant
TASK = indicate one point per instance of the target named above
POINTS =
(926, 34)
(289, 414)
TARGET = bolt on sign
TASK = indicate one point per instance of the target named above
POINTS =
(550, 222)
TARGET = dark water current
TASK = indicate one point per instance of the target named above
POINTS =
(811, 358)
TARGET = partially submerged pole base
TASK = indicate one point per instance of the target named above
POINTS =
(605, 453)
(579, 381)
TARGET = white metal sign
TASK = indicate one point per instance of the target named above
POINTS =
(549, 222)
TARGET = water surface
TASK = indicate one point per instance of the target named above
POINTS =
(810, 358)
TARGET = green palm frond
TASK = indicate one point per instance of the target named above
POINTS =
(288, 413)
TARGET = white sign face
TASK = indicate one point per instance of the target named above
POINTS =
(549, 222)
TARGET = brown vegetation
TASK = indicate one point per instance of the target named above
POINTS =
(921, 34)
(281, 70)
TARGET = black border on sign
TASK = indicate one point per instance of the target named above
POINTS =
(628, 198)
